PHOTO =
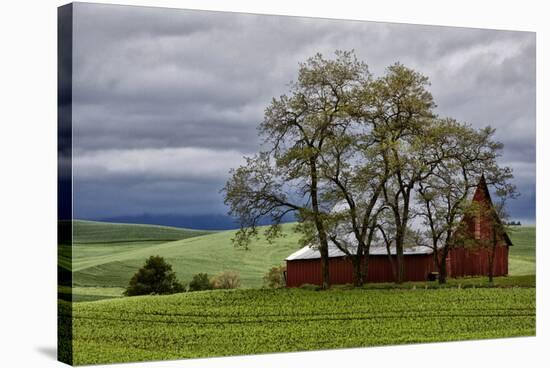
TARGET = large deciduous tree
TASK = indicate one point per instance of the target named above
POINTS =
(288, 176)
(354, 175)
(399, 108)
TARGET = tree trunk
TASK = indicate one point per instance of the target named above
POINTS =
(323, 249)
(323, 241)
(366, 272)
(442, 269)
(442, 278)
(399, 257)
(324, 267)
(392, 263)
(491, 267)
(357, 274)
(400, 266)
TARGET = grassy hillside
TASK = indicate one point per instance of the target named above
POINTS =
(522, 258)
(111, 265)
(96, 243)
(237, 322)
(100, 263)
(91, 232)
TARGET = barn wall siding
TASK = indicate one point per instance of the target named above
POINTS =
(417, 268)
(308, 271)
(473, 262)
(461, 262)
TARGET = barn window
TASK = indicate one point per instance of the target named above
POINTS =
(477, 229)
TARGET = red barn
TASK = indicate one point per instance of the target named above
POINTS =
(304, 266)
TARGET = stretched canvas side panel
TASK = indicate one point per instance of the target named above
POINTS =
(64, 183)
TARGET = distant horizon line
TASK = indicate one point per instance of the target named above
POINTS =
(207, 221)
(200, 221)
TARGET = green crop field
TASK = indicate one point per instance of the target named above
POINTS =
(237, 322)
(111, 328)
(106, 255)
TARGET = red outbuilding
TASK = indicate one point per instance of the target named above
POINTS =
(469, 259)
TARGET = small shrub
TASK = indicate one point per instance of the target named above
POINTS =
(200, 282)
(274, 278)
(226, 280)
(155, 277)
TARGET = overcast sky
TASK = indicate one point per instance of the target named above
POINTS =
(166, 101)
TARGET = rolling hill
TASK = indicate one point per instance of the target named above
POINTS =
(106, 255)
(90, 232)
(95, 242)
(523, 252)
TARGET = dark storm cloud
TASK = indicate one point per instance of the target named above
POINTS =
(160, 93)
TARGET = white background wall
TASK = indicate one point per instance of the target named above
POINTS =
(28, 181)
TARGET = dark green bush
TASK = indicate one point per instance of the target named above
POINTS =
(200, 282)
(155, 277)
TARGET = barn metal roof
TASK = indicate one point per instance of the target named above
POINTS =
(311, 252)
